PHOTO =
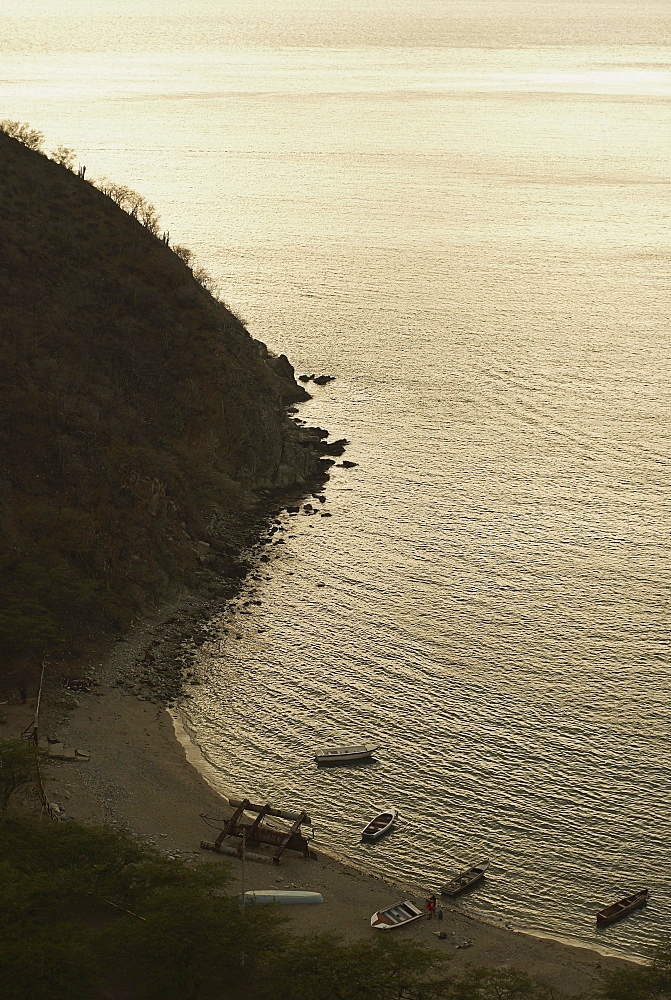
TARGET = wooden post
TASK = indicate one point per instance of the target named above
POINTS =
(230, 826)
(282, 813)
(285, 840)
(242, 899)
(235, 852)
(253, 828)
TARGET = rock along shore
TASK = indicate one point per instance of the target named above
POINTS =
(122, 711)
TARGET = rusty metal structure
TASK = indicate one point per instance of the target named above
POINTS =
(256, 833)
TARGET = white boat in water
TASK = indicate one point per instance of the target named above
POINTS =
(344, 755)
(381, 824)
(396, 916)
(256, 897)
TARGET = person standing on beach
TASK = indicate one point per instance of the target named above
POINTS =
(431, 906)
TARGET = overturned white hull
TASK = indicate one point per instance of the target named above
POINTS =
(257, 897)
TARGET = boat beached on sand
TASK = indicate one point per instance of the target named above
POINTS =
(464, 879)
(616, 911)
(396, 916)
(344, 755)
(381, 824)
(284, 896)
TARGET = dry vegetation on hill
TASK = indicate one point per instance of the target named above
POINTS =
(138, 415)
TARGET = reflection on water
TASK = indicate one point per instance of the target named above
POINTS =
(356, 764)
(486, 608)
(462, 218)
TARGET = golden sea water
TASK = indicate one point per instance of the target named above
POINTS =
(460, 210)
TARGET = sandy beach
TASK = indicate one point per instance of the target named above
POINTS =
(137, 775)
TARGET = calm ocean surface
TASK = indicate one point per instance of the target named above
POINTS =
(460, 210)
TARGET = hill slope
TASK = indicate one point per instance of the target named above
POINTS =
(138, 416)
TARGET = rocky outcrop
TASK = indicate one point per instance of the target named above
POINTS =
(317, 379)
(287, 386)
(143, 431)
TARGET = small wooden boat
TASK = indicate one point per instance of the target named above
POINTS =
(396, 916)
(284, 896)
(464, 879)
(616, 911)
(380, 825)
(344, 755)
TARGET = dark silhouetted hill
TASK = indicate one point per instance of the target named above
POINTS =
(138, 416)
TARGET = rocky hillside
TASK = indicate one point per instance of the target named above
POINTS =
(139, 419)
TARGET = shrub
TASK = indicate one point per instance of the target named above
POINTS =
(650, 982)
(64, 156)
(19, 766)
(30, 137)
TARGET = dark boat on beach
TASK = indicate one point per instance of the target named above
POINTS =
(623, 907)
(465, 879)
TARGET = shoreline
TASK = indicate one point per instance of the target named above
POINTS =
(144, 773)
(196, 759)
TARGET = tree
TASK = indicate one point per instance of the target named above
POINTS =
(30, 137)
(649, 982)
(381, 969)
(26, 626)
(131, 202)
(51, 961)
(148, 216)
(183, 253)
(62, 890)
(193, 944)
(499, 984)
(38, 588)
(97, 862)
(19, 766)
(66, 157)
(205, 279)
